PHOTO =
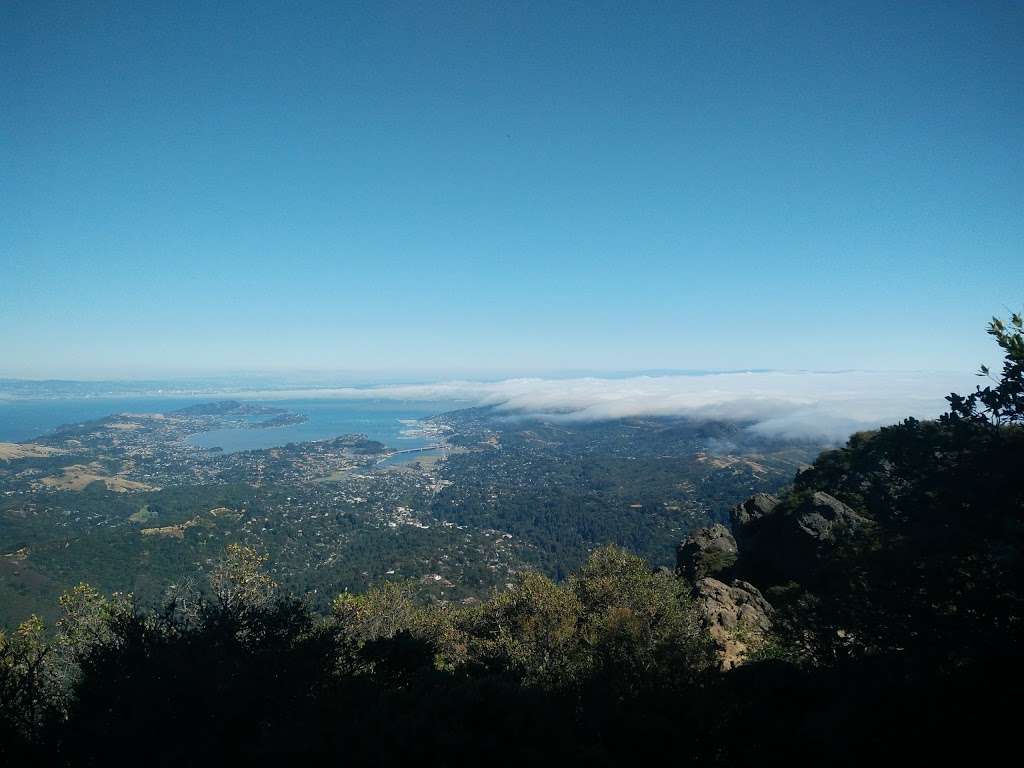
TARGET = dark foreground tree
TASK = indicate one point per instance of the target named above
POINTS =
(1001, 402)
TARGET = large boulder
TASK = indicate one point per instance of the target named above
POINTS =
(825, 519)
(706, 551)
(756, 507)
(737, 617)
(791, 541)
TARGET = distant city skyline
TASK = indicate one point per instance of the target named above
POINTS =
(507, 188)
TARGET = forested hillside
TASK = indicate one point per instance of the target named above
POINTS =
(127, 503)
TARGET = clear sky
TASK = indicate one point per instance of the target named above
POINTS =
(468, 186)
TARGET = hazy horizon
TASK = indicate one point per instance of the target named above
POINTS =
(789, 404)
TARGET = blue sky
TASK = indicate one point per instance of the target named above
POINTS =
(194, 188)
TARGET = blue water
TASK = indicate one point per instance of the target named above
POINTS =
(377, 419)
(399, 459)
(25, 419)
(328, 418)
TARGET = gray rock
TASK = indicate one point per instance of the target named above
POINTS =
(737, 617)
(791, 542)
(824, 518)
(758, 506)
(706, 551)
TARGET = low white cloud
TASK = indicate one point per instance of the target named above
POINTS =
(821, 406)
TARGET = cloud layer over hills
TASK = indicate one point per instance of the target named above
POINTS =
(801, 404)
(820, 406)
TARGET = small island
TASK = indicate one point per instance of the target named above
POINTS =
(281, 420)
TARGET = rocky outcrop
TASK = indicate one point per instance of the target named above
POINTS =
(737, 617)
(771, 543)
(705, 552)
(756, 507)
(825, 519)
(784, 542)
